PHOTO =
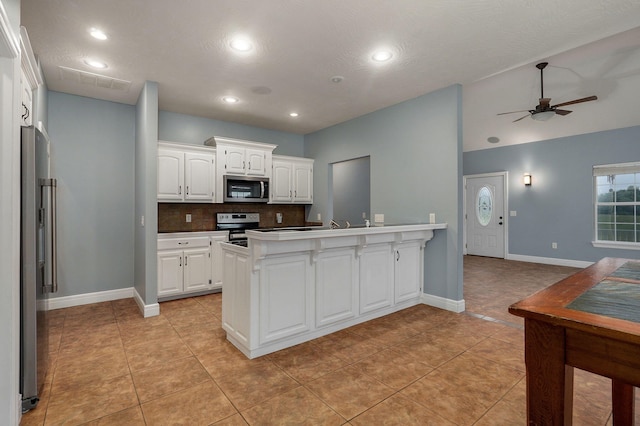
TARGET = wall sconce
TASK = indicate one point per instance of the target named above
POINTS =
(527, 179)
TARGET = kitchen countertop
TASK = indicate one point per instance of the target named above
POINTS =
(299, 233)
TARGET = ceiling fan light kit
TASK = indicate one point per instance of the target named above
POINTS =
(544, 110)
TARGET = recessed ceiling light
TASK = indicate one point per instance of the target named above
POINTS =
(241, 44)
(293, 114)
(99, 34)
(95, 63)
(230, 99)
(336, 79)
(381, 56)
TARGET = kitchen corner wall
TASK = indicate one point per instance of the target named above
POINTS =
(92, 156)
(416, 169)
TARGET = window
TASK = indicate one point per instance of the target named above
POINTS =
(617, 204)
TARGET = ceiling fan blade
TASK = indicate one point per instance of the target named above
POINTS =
(522, 118)
(512, 112)
(563, 112)
(577, 101)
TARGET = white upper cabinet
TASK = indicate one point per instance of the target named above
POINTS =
(199, 175)
(292, 180)
(241, 158)
(170, 174)
(185, 173)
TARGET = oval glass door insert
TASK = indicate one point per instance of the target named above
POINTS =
(484, 206)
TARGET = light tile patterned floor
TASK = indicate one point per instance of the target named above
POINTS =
(421, 366)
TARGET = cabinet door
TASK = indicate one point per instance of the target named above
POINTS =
(170, 175)
(281, 189)
(255, 162)
(408, 274)
(285, 298)
(236, 300)
(198, 176)
(376, 278)
(302, 183)
(336, 287)
(169, 272)
(197, 269)
(234, 161)
(216, 261)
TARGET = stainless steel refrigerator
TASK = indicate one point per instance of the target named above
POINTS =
(38, 273)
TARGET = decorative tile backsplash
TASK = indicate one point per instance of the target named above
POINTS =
(172, 216)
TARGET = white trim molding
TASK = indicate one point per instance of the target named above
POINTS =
(9, 45)
(549, 261)
(456, 306)
(87, 298)
(146, 310)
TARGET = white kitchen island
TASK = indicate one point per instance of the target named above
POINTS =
(293, 285)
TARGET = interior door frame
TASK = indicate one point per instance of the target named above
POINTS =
(505, 201)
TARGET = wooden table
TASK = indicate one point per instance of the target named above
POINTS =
(591, 321)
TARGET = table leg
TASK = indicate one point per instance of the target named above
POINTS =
(623, 398)
(549, 380)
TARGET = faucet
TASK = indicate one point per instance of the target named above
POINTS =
(334, 224)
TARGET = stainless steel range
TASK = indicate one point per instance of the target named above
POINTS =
(237, 224)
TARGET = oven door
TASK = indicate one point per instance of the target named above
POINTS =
(246, 189)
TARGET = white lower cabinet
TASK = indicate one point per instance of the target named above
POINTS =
(336, 286)
(287, 288)
(408, 271)
(188, 264)
(285, 299)
(377, 278)
(183, 271)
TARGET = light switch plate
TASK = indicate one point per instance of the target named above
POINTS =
(188, 218)
(513, 213)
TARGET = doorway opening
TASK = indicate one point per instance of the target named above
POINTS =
(350, 186)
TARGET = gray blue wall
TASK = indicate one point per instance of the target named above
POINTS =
(416, 155)
(558, 207)
(146, 203)
(92, 156)
(174, 127)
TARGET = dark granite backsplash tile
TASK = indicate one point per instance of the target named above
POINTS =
(172, 216)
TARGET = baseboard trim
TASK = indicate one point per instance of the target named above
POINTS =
(146, 310)
(549, 261)
(456, 306)
(87, 298)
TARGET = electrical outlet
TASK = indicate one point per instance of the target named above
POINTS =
(554, 245)
(364, 215)
(513, 213)
(188, 218)
(378, 217)
(319, 217)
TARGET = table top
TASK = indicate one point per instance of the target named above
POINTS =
(603, 299)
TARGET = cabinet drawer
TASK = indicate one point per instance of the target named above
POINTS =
(183, 243)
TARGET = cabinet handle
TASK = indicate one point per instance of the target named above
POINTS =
(249, 165)
(187, 190)
(179, 189)
(295, 193)
(397, 255)
(180, 261)
(183, 242)
(243, 166)
(185, 260)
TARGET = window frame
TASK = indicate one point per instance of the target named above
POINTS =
(613, 170)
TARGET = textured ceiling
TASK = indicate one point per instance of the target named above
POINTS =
(300, 45)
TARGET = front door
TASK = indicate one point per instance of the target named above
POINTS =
(485, 215)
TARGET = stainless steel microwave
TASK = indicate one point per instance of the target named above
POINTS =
(246, 189)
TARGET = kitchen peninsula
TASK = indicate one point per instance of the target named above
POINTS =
(292, 285)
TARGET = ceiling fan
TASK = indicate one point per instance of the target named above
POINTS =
(544, 110)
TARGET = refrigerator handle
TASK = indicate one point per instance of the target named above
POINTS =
(49, 185)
